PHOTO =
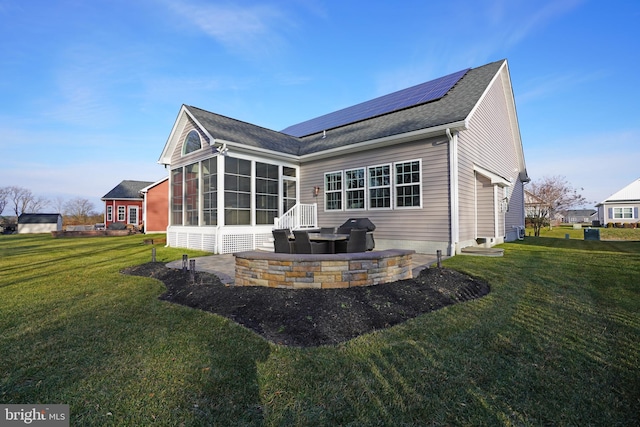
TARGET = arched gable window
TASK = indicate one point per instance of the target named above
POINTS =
(191, 142)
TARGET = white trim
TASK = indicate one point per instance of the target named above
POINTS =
(394, 185)
(364, 189)
(129, 209)
(454, 192)
(390, 186)
(494, 177)
(326, 192)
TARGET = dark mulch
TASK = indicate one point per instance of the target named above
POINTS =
(313, 317)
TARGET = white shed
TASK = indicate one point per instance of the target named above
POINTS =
(39, 223)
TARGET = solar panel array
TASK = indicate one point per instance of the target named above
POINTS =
(415, 95)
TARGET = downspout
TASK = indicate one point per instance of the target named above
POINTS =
(453, 191)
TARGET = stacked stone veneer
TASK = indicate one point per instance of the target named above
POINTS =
(322, 271)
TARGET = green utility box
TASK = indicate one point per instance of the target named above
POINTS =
(591, 234)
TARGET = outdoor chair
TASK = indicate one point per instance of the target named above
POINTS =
(281, 241)
(303, 245)
(357, 242)
(327, 230)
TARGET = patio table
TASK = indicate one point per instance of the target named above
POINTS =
(332, 238)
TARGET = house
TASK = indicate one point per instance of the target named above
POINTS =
(438, 166)
(124, 204)
(622, 206)
(156, 206)
(579, 216)
(39, 223)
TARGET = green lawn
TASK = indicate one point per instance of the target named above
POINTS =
(556, 342)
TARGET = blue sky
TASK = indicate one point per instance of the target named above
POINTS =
(89, 90)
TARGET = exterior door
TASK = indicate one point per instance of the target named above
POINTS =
(132, 217)
(289, 197)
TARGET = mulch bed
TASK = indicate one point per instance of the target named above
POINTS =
(313, 317)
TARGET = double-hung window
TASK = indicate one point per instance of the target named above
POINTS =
(408, 184)
(354, 182)
(333, 191)
(380, 187)
(121, 214)
(109, 213)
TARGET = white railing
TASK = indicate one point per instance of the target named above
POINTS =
(298, 217)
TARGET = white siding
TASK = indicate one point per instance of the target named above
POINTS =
(485, 207)
(489, 143)
(403, 228)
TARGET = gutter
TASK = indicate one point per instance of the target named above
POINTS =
(453, 191)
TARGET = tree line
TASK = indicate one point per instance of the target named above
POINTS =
(15, 200)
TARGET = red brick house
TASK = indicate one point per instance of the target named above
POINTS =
(124, 204)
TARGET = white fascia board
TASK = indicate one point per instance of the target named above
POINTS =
(386, 141)
(165, 157)
(494, 177)
(248, 149)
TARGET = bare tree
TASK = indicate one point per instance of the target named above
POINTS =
(547, 197)
(4, 194)
(58, 204)
(23, 200)
(79, 210)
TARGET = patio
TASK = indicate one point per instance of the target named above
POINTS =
(223, 266)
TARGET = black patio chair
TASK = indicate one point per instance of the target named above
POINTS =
(281, 242)
(303, 245)
(357, 242)
(327, 230)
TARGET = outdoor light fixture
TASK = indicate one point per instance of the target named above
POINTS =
(316, 191)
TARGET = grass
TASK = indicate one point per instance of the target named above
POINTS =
(556, 342)
(627, 234)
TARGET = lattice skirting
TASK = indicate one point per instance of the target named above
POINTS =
(221, 240)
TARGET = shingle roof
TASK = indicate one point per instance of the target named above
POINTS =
(38, 218)
(127, 189)
(454, 107)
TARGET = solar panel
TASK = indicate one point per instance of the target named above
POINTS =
(415, 95)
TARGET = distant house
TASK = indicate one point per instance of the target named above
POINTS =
(39, 223)
(438, 166)
(622, 206)
(124, 204)
(156, 206)
(579, 216)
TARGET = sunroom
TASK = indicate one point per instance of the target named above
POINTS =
(225, 197)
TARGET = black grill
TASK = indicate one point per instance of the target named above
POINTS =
(360, 223)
